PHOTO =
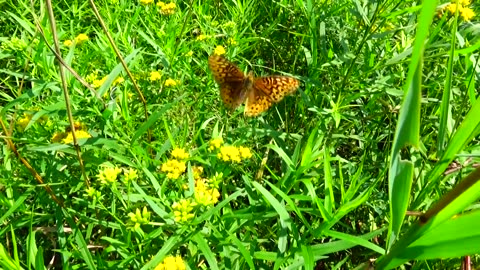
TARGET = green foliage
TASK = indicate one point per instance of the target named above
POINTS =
(162, 175)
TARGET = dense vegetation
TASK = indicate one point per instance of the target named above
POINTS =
(119, 152)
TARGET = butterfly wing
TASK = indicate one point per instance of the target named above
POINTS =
(231, 80)
(268, 90)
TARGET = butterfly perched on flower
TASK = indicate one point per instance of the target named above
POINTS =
(260, 93)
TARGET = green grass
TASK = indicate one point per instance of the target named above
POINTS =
(387, 106)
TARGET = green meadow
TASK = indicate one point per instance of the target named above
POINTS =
(320, 135)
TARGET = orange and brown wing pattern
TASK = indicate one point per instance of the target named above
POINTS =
(260, 93)
(224, 71)
(269, 90)
(276, 87)
(257, 102)
(231, 80)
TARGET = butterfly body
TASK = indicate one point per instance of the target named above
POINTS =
(259, 93)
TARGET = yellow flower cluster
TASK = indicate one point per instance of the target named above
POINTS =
(155, 76)
(219, 50)
(179, 153)
(170, 82)
(67, 136)
(204, 194)
(203, 37)
(464, 11)
(81, 38)
(464, 2)
(232, 41)
(197, 172)
(92, 76)
(172, 263)
(234, 154)
(146, 2)
(215, 144)
(81, 134)
(13, 45)
(166, 9)
(98, 82)
(183, 209)
(23, 122)
(175, 167)
(139, 218)
(108, 175)
(129, 175)
(118, 81)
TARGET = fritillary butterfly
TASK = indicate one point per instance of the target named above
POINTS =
(260, 93)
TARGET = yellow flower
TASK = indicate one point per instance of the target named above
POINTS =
(179, 153)
(108, 175)
(139, 218)
(166, 9)
(68, 43)
(97, 83)
(129, 175)
(81, 38)
(204, 195)
(14, 44)
(171, 263)
(155, 76)
(23, 122)
(451, 8)
(232, 41)
(173, 168)
(92, 76)
(189, 54)
(202, 37)
(146, 2)
(463, 2)
(466, 13)
(245, 152)
(183, 209)
(229, 153)
(80, 134)
(170, 82)
(219, 50)
(118, 81)
(197, 172)
(215, 143)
